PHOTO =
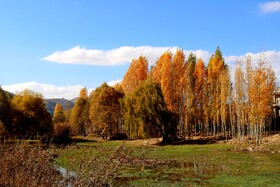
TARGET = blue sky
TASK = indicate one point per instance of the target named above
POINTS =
(57, 47)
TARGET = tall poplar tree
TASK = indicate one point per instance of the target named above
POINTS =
(199, 94)
(178, 70)
(215, 69)
(135, 75)
(79, 117)
(167, 80)
(241, 99)
(58, 115)
(188, 95)
(261, 97)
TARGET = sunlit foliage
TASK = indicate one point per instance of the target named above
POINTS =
(30, 117)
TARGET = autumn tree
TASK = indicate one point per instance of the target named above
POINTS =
(188, 95)
(79, 117)
(167, 80)
(241, 99)
(254, 86)
(105, 110)
(224, 97)
(261, 97)
(155, 73)
(146, 105)
(215, 70)
(135, 75)
(58, 116)
(30, 116)
(200, 95)
(178, 70)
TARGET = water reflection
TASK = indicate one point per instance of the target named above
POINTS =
(67, 175)
(201, 169)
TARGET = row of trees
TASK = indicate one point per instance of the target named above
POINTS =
(253, 99)
(24, 115)
(197, 96)
(181, 96)
(177, 97)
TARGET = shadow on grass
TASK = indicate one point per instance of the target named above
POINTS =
(76, 140)
(200, 141)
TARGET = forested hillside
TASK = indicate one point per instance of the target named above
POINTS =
(50, 104)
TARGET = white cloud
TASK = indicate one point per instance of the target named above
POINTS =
(47, 90)
(270, 7)
(72, 91)
(51, 91)
(273, 58)
(118, 56)
(114, 82)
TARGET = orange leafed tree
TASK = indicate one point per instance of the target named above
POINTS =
(167, 80)
(178, 69)
(188, 81)
(156, 70)
(215, 69)
(224, 97)
(135, 75)
(79, 118)
(261, 97)
(199, 93)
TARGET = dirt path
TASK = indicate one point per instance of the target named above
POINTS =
(271, 139)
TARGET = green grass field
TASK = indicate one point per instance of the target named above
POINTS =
(180, 165)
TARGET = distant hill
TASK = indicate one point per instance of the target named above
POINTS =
(50, 104)
(74, 100)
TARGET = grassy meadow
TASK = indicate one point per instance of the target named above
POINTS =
(190, 163)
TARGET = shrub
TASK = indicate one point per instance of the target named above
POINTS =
(61, 135)
(27, 165)
(3, 131)
(31, 165)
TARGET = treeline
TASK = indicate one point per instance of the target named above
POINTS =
(24, 115)
(177, 97)
(181, 97)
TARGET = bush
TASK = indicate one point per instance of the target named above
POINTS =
(22, 164)
(61, 135)
(3, 131)
(27, 165)
(119, 136)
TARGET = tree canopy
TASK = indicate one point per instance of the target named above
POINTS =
(30, 116)
(105, 111)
